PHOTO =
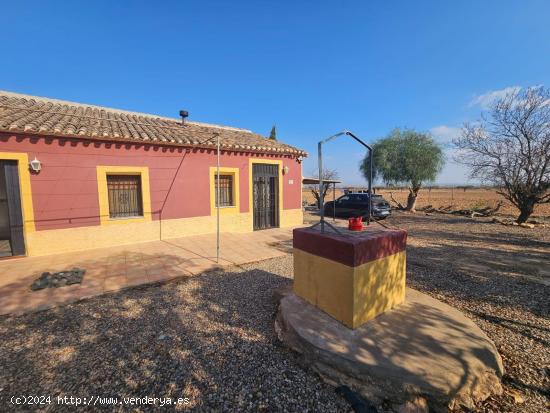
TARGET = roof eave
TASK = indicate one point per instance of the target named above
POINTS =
(234, 148)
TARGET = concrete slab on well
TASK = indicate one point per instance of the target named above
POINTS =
(423, 347)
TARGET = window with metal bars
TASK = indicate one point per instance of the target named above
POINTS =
(226, 190)
(125, 198)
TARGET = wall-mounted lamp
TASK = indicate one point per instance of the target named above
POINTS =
(35, 165)
(299, 159)
(285, 170)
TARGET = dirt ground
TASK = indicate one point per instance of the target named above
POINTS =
(500, 277)
(442, 197)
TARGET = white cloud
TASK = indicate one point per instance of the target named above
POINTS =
(445, 134)
(485, 100)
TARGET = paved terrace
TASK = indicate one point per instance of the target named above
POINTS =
(112, 269)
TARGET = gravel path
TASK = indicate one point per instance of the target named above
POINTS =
(210, 338)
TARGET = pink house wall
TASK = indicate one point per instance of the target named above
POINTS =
(65, 191)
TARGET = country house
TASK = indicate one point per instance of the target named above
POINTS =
(76, 176)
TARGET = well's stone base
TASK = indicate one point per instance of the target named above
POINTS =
(420, 348)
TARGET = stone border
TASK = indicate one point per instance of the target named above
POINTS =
(423, 348)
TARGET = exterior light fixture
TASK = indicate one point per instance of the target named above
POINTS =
(285, 170)
(35, 165)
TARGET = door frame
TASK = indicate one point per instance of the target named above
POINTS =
(279, 164)
(25, 192)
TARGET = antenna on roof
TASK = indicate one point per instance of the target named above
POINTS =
(183, 114)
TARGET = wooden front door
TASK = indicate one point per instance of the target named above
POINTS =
(11, 218)
(265, 178)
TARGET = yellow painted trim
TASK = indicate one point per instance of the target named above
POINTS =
(27, 208)
(326, 284)
(379, 286)
(352, 295)
(103, 196)
(252, 161)
(236, 208)
(292, 218)
(55, 241)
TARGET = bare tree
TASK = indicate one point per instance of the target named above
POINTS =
(510, 147)
(329, 174)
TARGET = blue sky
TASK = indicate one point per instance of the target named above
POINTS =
(312, 68)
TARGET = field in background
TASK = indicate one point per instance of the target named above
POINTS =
(442, 197)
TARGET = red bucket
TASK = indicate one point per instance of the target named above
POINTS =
(355, 224)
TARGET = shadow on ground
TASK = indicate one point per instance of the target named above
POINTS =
(209, 338)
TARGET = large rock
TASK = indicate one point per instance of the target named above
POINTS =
(420, 348)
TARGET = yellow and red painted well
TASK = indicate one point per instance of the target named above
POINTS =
(352, 277)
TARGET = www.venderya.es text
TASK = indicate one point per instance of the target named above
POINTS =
(98, 400)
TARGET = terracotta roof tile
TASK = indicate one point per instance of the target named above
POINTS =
(37, 115)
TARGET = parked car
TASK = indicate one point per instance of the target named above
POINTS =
(357, 204)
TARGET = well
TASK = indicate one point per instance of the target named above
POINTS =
(354, 276)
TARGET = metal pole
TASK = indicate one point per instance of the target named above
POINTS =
(321, 197)
(320, 162)
(370, 185)
(334, 201)
(218, 201)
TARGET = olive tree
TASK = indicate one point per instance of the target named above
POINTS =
(510, 148)
(405, 157)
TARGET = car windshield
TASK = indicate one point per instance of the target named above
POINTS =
(364, 198)
(359, 198)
